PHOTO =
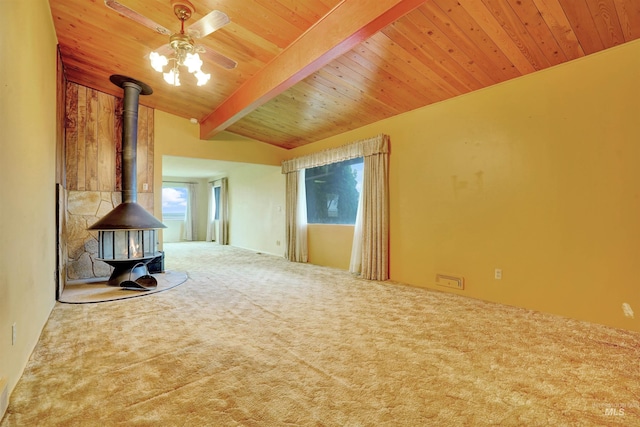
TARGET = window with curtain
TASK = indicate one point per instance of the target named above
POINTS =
(179, 203)
(191, 216)
(333, 191)
(174, 203)
(370, 249)
(218, 216)
(216, 203)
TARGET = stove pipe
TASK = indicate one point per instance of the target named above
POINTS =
(128, 214)
(127, 237)
(132, 90)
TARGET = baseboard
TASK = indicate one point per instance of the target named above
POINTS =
(258, 251)
(4, 397)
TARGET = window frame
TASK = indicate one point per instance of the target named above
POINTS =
(337, 187)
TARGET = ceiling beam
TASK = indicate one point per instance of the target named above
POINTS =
(344, 27)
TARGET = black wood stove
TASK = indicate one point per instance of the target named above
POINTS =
(127, 236)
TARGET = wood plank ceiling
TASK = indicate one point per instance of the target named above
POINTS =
(310, 69)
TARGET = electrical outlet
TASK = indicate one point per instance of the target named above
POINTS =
(277, 242)
(498, 274)
(14, 334)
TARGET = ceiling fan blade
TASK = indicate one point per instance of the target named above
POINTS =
(218, 58)
(209, 23)
(165, 50)
(135, 16)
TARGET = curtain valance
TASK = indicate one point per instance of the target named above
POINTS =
(363, 148)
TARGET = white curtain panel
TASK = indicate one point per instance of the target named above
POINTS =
(223, 216)
(296, 218)
(371, 248)
(211, 231)
(191, 221)
(355, 265)
(301, 220)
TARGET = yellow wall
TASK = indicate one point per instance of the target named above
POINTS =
(257, 208)
(27, 173)
(537, 176)
(339, 238)
(256, 184)
(176, 136)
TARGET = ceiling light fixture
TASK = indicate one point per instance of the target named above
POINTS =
(184, 49)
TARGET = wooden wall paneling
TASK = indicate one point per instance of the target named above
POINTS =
(143, 140)
(629, 16)
(106, 145)
(91, 139)
(61, 176)
(117, 136)
(81, 176)
(555, 18)
(71, 135)
(150, 147)
(61, 89)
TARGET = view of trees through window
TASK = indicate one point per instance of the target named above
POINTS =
(333, 191)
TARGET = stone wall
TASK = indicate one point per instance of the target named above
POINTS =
(93, 172)
(84, 208)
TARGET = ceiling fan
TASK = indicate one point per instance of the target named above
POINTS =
(181, 44)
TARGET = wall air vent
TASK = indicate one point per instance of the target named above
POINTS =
(450, 281)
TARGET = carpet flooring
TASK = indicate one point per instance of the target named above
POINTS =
(253, 340)
(93, 291)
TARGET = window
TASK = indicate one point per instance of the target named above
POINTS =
(174, 203)
(333, 191)
(216, 201)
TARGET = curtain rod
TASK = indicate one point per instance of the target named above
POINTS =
(179, 182)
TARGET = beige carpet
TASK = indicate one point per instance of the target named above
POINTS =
(98, 291)
(254, 340)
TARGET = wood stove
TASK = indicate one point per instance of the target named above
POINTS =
(127, 236)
